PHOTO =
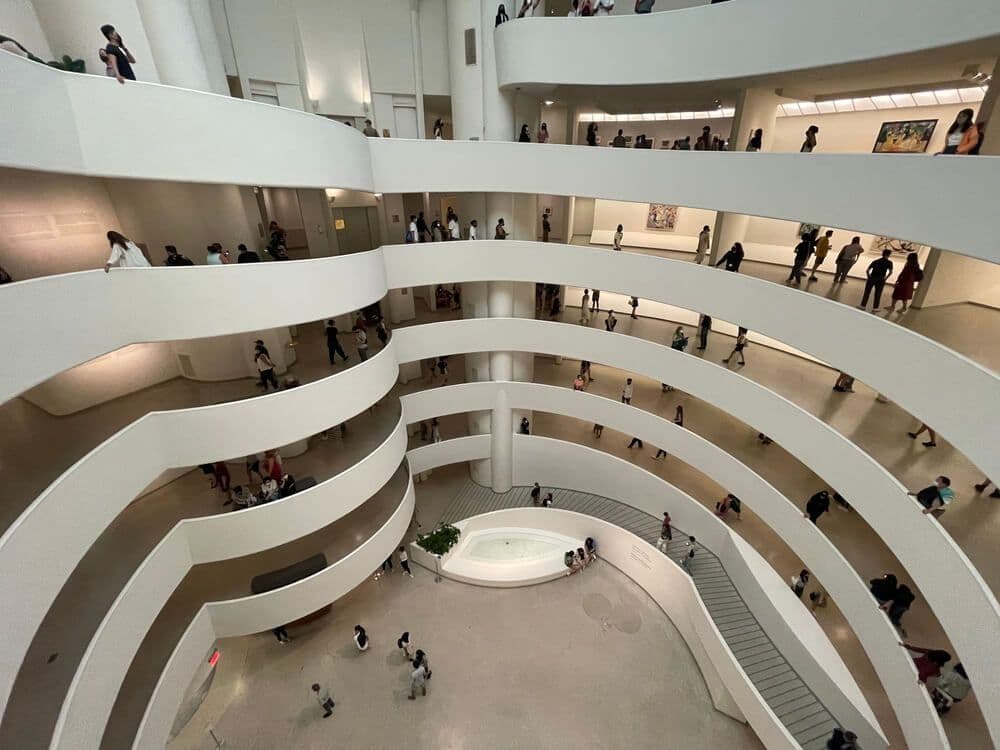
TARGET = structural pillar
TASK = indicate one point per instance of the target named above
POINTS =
(176, 44)
(418, 68)
(755, 108)
(465, 78)
(500, 300)
(204, 24)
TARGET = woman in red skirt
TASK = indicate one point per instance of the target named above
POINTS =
(905, 283)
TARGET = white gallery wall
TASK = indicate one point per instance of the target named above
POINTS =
(19, 21)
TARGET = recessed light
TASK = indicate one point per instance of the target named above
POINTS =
(548, 102)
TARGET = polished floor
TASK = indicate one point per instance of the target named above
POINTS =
(513, 668)
(39, 447)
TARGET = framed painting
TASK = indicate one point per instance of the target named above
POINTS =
(661, 217)
(805, 228)
(904, 137)
(898, 247)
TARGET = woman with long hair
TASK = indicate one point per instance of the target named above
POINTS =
(902, 292)
(810, 142)
(439, 126)
(963, 135)
(524, 136)
(124, 253)
(592, 134)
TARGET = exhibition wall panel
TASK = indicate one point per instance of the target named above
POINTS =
(254, 614)
(173, 306)
(821, 188)
(910, 701)
(40, 550)
(955, 591)
(862, 344)
(671, 47)
(102, 670)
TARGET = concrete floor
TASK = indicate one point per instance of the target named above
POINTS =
(513, 668)
(39, 447)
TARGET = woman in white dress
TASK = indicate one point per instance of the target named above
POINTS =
(124, 253)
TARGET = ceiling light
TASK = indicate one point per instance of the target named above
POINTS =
(548, 102)
(972, 94)
(924, 98)
(947, 96)
(843, 105)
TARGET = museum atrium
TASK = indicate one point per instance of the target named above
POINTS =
(691, 449)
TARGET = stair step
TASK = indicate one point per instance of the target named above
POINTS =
(817, 732)
(788, 707)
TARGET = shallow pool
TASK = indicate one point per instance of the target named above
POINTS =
(512, 546)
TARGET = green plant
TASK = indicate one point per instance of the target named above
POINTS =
(439, 541)
(67, 63)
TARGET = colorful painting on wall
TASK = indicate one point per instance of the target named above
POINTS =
(806, 228)
(904, 137)
(661, 217)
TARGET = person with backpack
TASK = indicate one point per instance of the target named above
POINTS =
(898, 606)
(935, 497)
(817, 505)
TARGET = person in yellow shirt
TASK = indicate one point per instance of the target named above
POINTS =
(822, 248)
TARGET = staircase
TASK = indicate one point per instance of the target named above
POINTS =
(787, 695)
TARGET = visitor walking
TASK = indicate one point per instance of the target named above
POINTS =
(361, 342)
(618, 141)
(617, 241)
(817, 505)
(322, 696)
(524, 136)
(802, 252)
(281, 634)
(666, 528)
(929, 661)
(635, 442)
(547, 500)
(741, 344)
(842, 739)
(422, 231)
(265, 367)
(930, 433)
(382, 332)
(403, 644)
(585, 308)
(879, 272)
(663, 540)
(704, 328)
(501, 18)
(543, 134)
(898, 606)
(404, 561)
(438, 131)
(800, 582)
(368, 130)
(536, 494)
(733, 258)
(982, 486)
(952, 687)
(592, 134)
(595, 301)
(884, 588)
(435, 430)
(611, 321)
(935, 497)
(689, 557)
(627, 392)
(846, 259)
(124, 253)
(704, 243)
(906, 282)
(525, 427)
(756, 140)
(546, 224)
(634, 304)
(810, 142)
(333, 346)
(500, 232)
(822, 249)
(361, 638)
(418, 678)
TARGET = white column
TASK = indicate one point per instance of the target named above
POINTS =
(418, 68)
(498, 106)
(477, 369)
(466, 80)
(73, 27)
(755, 108)
(175, 43)
(204, 24)
(498, 205)
(502, 444)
